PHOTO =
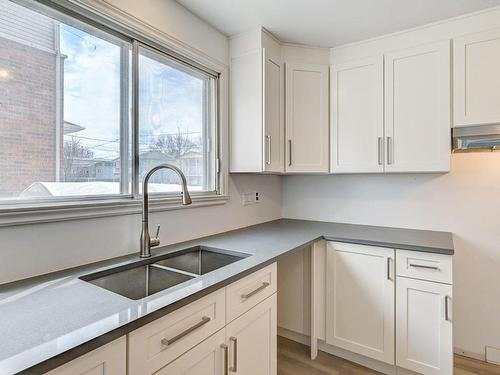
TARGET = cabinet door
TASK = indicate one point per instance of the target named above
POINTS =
(109, 359)
(357, 116)
(477, 78)
(307, 118)
(246, 112)
(360, 299)
(252, 340)
(417, 109)
(274, 128)
(208, 358)
(424, 327)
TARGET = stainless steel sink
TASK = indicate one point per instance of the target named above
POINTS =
(200, 260)
(146, 277)
(138, 282)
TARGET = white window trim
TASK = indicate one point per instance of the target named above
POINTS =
(74, 210)
(18, 213)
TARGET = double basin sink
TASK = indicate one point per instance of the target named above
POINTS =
(147, 277)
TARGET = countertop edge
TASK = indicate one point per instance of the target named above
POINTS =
(425, 249)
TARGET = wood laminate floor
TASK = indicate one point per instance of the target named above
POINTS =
(293, 359)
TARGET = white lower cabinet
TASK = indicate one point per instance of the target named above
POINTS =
(252, 340)
(391, 305)
(109, 359)
(246, 346)
(360, 299)
(201, 339)
(208, 358)
(424, 326)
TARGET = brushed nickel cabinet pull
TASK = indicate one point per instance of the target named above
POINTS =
(390, 150)
(234, 367)
(446, 308)
(423, 266)
(289, 152)
(226, 358)
(168, 342)
(380, 150)
(268, 161)
(388, 268)
(253, 292)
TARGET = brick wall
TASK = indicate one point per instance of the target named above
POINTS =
(27, 117)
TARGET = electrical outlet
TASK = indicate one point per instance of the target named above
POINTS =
(257, 197)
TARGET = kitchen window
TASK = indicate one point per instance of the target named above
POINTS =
(85, 111)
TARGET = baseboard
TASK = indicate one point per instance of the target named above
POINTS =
(294, 336)
(306, 340)
(465, 353)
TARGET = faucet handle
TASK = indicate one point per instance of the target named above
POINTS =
(155, 241)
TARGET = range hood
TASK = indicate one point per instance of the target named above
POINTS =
(476, 138)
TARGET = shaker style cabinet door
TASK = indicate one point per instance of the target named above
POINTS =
(417, 109)
(256, 114)
(357, 116)
(360, 299)
(424, 326)
(274, 126)
(307, 123)
(477, 78)
(252, 340)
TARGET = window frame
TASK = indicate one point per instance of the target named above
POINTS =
(136, 46)
(110, 20)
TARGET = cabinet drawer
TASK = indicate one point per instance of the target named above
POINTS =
(106, 360)
(424, 266)
(244, 294)
(155, 345)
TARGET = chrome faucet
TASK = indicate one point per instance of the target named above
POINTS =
(146, 241)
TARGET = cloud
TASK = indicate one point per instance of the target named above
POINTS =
(170, 98)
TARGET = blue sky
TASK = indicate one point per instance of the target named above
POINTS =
(169, 98)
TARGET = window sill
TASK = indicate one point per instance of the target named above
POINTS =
(51, 212)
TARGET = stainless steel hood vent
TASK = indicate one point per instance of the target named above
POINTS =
(476, 138)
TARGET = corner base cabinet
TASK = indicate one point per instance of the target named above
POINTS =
(389, 305)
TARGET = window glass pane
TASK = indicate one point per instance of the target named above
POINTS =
(64, 107)
(176, 124)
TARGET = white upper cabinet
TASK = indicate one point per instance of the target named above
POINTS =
(357, 117)
(417, 109)
(256, 104)
(307, 123)
(273, 117)
(477, 78)
(392, 112)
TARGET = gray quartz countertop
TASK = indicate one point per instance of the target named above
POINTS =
(49, 320)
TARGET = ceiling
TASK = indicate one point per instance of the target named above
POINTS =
(328, 23)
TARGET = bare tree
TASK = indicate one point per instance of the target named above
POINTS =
(175, 145)
(73, 149)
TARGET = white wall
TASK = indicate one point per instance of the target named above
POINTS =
(30, 250)
(169, 19)
(465, 201)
